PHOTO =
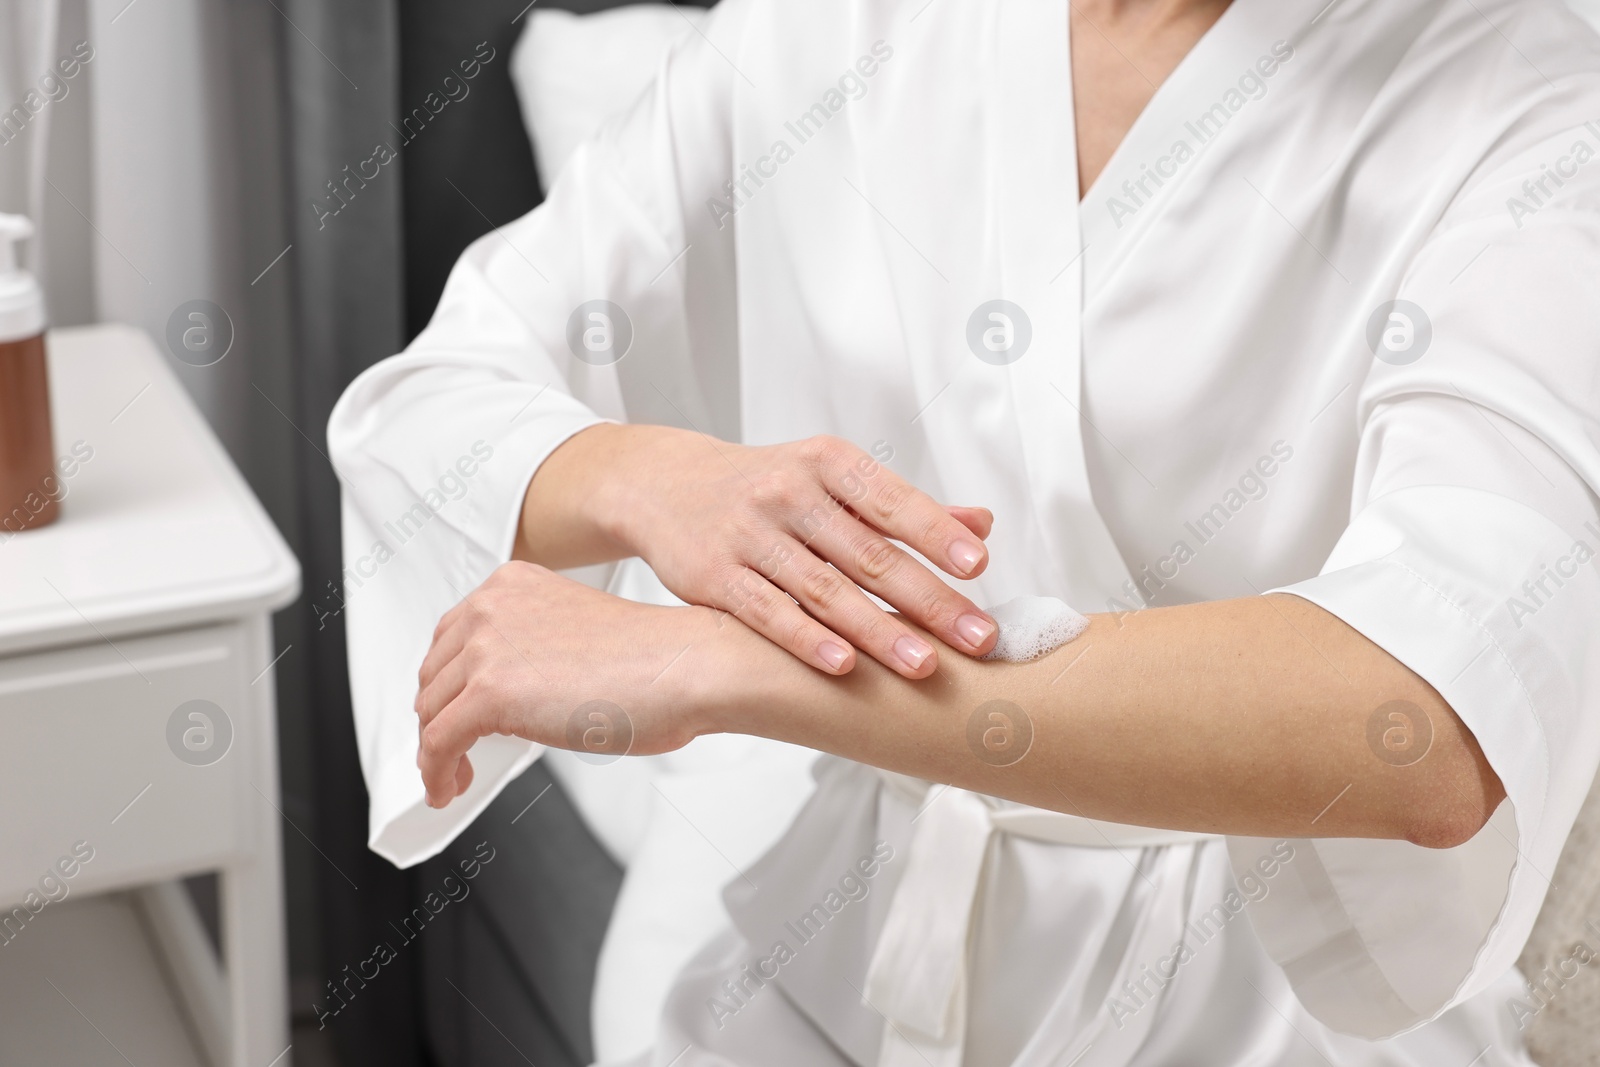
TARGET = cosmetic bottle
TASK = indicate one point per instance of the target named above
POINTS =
(28, 484)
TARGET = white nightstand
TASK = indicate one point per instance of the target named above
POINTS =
(153, 590)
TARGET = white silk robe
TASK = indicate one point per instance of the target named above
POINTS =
(1217, 396)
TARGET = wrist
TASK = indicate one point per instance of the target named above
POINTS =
(628, 463)
(736, 675)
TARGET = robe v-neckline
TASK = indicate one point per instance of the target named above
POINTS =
(1055, 253)
(1125, 196)
(1133, 127)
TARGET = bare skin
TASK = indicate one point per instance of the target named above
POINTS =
(1250, 717)
(1122, 50)
(786, 537)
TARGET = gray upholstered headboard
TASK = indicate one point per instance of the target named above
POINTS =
(483, 149)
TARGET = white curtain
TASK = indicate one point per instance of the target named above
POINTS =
(132, 171)
(28, 35)
(164, 185)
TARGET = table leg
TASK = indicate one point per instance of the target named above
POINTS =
(253, 939)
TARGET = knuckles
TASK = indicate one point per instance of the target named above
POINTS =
(430, 747)
(798, 633)
(876, 558)
(823, 451)
(891, 499)
(749, 603)
(515, 575)
(932, 606)
(935, 531)
(823, 587)
(506, 591)
(777, 491)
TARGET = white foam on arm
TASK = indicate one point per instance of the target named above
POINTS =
(1031, 626)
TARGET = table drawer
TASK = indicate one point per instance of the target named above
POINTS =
(141, 751)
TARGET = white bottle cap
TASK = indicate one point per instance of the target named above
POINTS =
(21, 300)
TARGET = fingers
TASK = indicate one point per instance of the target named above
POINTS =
(443, 747)
(876, 564)
(448, 640)
(828, 595)
(443, 777)
(979, 520)
(769, 611)
(446, 684)
(905, 513)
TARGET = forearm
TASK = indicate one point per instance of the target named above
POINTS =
(567, 515)
(1247, 717)
(791, 538)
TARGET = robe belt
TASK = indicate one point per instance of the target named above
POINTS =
(918, 975)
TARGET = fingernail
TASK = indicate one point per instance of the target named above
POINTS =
(833, 654)
(975, 628)
(964, 555)
(913, 652)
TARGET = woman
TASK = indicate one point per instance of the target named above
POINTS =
(1274, 316)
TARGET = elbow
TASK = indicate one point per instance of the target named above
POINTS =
(1449, 794)
(1450, 828)
(1457, 805)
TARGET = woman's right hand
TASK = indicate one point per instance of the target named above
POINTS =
(785, 537)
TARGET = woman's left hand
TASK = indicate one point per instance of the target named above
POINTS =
(536, 655)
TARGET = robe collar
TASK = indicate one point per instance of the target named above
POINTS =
(1015, 432)
(1216, 91)
(1039, 267)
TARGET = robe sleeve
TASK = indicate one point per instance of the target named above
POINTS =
(434, 447)
(1470, 556)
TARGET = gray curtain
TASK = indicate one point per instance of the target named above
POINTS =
(503, 977)
(340, 76)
